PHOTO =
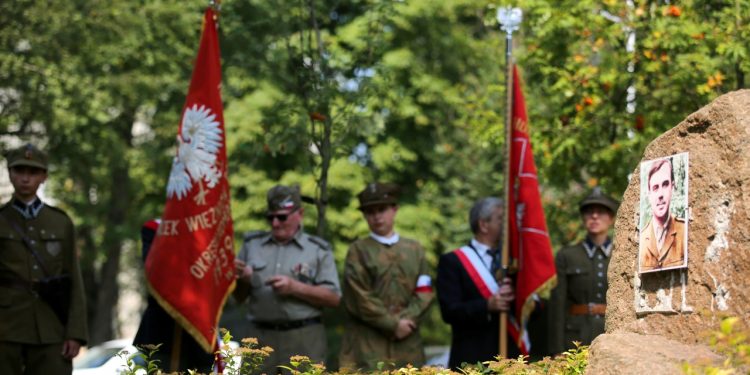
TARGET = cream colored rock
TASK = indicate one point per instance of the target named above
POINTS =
(683, 305)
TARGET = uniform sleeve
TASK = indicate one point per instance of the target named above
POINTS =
(455, 307)
(76, 328)
(420, 300)
(359, 299)
(557, 307)
(327, 277)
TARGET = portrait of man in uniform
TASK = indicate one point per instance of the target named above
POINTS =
(663, 212)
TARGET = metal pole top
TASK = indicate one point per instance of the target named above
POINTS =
(509, 19)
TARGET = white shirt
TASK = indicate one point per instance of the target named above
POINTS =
(483, 251)
(388, 241)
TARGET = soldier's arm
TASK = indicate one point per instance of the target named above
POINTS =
(423, 295)
(454, 308)
(76, 327)
(242, 288)
(556, 315)
(360, 300)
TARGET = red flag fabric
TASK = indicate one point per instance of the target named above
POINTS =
(190, 268)
(529, 242)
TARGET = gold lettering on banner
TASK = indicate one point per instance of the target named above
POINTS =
(521, 126)
(168, 228)
(215, 258)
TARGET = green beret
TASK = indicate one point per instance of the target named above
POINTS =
(27, 155)
(282, 197)
(597, 197)
(378, 193)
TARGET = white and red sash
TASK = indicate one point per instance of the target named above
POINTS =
(478, 272)
(487, 286)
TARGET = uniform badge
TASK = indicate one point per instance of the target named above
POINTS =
(303, 272)
(54, 248)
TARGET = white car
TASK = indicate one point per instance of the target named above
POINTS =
(111, 358)
(107, 358)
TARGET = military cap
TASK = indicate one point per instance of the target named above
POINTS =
(597, 197)
(282, 197)
(378, 193)
(27, 155)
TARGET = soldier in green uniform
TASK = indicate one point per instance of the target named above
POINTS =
(42, 304)
(578, 303)
(289, 277)
(387, 289)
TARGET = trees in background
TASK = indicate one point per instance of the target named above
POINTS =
(334, 94)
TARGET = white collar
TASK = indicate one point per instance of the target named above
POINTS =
(479, 247)
(388, 241)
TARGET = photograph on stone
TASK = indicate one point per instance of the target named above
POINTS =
(664, 214)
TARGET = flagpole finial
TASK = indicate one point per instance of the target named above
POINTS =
(215, 5)
(509, 19)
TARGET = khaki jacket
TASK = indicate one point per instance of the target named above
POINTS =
(672, 252)
(379, 289)
(25, 318)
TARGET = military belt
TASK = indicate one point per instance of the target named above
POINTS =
(588, 309)
(289, 325)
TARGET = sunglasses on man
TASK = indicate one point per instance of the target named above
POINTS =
(280, 217)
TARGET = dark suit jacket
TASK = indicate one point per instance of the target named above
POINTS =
(475, 330)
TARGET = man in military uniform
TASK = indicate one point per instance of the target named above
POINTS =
(578, 303)
(289, 276)
(470, 297)
(663, 238)
(42, 304)
(387, 289)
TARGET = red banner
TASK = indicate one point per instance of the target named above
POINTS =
(190, 268)
(530, 246)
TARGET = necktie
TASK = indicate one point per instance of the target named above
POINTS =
(496, 260)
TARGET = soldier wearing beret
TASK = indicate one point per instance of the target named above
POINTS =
(289, 277)
(387, 289)
(578, 303)
(42, 303)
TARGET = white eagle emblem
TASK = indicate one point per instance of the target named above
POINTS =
(197, 145)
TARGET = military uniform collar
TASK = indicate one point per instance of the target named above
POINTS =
(387, 241)
(296, 240)
(28, 211)
(591, 247)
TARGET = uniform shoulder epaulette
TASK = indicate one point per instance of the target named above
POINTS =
(320, 242)
(254, 234)
(59, 210)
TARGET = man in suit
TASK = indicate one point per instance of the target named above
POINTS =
(470, 298)
(663, 238)
(42, 304)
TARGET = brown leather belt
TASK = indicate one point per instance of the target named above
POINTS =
(588, 309)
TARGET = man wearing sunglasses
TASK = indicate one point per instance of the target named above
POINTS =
(387, 289)
(289, 277)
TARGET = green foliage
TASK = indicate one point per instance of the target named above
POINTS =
(133, 368)
(730, 342)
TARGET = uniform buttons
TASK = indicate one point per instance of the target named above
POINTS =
(599, 285)
(35, 267)
(599, 256)
(31, 228)
(600, 265)
(33, 242)
(578, 270)
(600, 274)
(598, 295)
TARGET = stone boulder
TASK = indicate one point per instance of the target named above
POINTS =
(683, 305)
(632, 353)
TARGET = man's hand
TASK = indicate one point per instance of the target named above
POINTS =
(243, 271)
(283, 285)
(501, 300)
(70, 349)
(405, 328)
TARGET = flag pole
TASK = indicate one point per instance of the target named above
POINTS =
(510, 20)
